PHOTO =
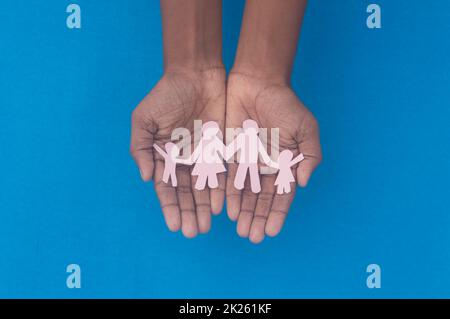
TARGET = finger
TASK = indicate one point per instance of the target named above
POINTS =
(233, 195)
(247, 211)
(186, 202)
(310, 147)
(278, 212)
(141, 146)
(263, 205)
(202, 206)
(218, 195)
(168, 199)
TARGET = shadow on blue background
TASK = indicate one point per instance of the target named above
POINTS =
(70, 193)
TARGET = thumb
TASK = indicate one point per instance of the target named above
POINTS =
(141, 146)
(309, 145)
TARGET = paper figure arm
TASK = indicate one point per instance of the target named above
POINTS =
(221, 148)
(266, 158)
(185, 161)
(192, 158)
(297, 159)
(195, 154)
(230, 149)
(160, 151)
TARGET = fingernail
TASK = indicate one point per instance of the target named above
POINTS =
(142, 174)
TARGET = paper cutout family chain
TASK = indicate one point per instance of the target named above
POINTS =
(210, 153)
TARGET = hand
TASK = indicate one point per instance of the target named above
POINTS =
(272, 106)
(176, 101)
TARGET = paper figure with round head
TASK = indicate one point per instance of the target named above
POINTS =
(249, 146)
(170, 156)
(208, 157)
(285, 176)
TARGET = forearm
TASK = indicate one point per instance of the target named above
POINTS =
(268, 40)
(192, 34)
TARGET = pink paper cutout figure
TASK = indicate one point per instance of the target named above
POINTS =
(250, 146)
(170, 161)
(208, 157)
(285, 176)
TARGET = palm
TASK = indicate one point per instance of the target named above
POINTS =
(272, 106)
(175, 102)
(178, 100)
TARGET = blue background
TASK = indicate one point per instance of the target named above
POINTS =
(70, 193)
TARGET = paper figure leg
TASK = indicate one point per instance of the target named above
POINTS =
(166, 175)
(241, 173)
(201, 182)
(173, 177)
(212, 181)
(254, 178)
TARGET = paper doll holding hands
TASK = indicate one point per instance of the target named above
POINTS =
(170, 161)
(285, 176)
(208, 157)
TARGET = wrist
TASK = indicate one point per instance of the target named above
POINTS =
(194, 66)
(258, 57)
(195, 52)
(268, 39)
(272, 75)
(200, 70)
(192, 34)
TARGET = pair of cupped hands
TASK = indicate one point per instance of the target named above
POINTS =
(183, 96)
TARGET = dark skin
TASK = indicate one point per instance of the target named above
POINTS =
(259, 88)
(194, 86)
